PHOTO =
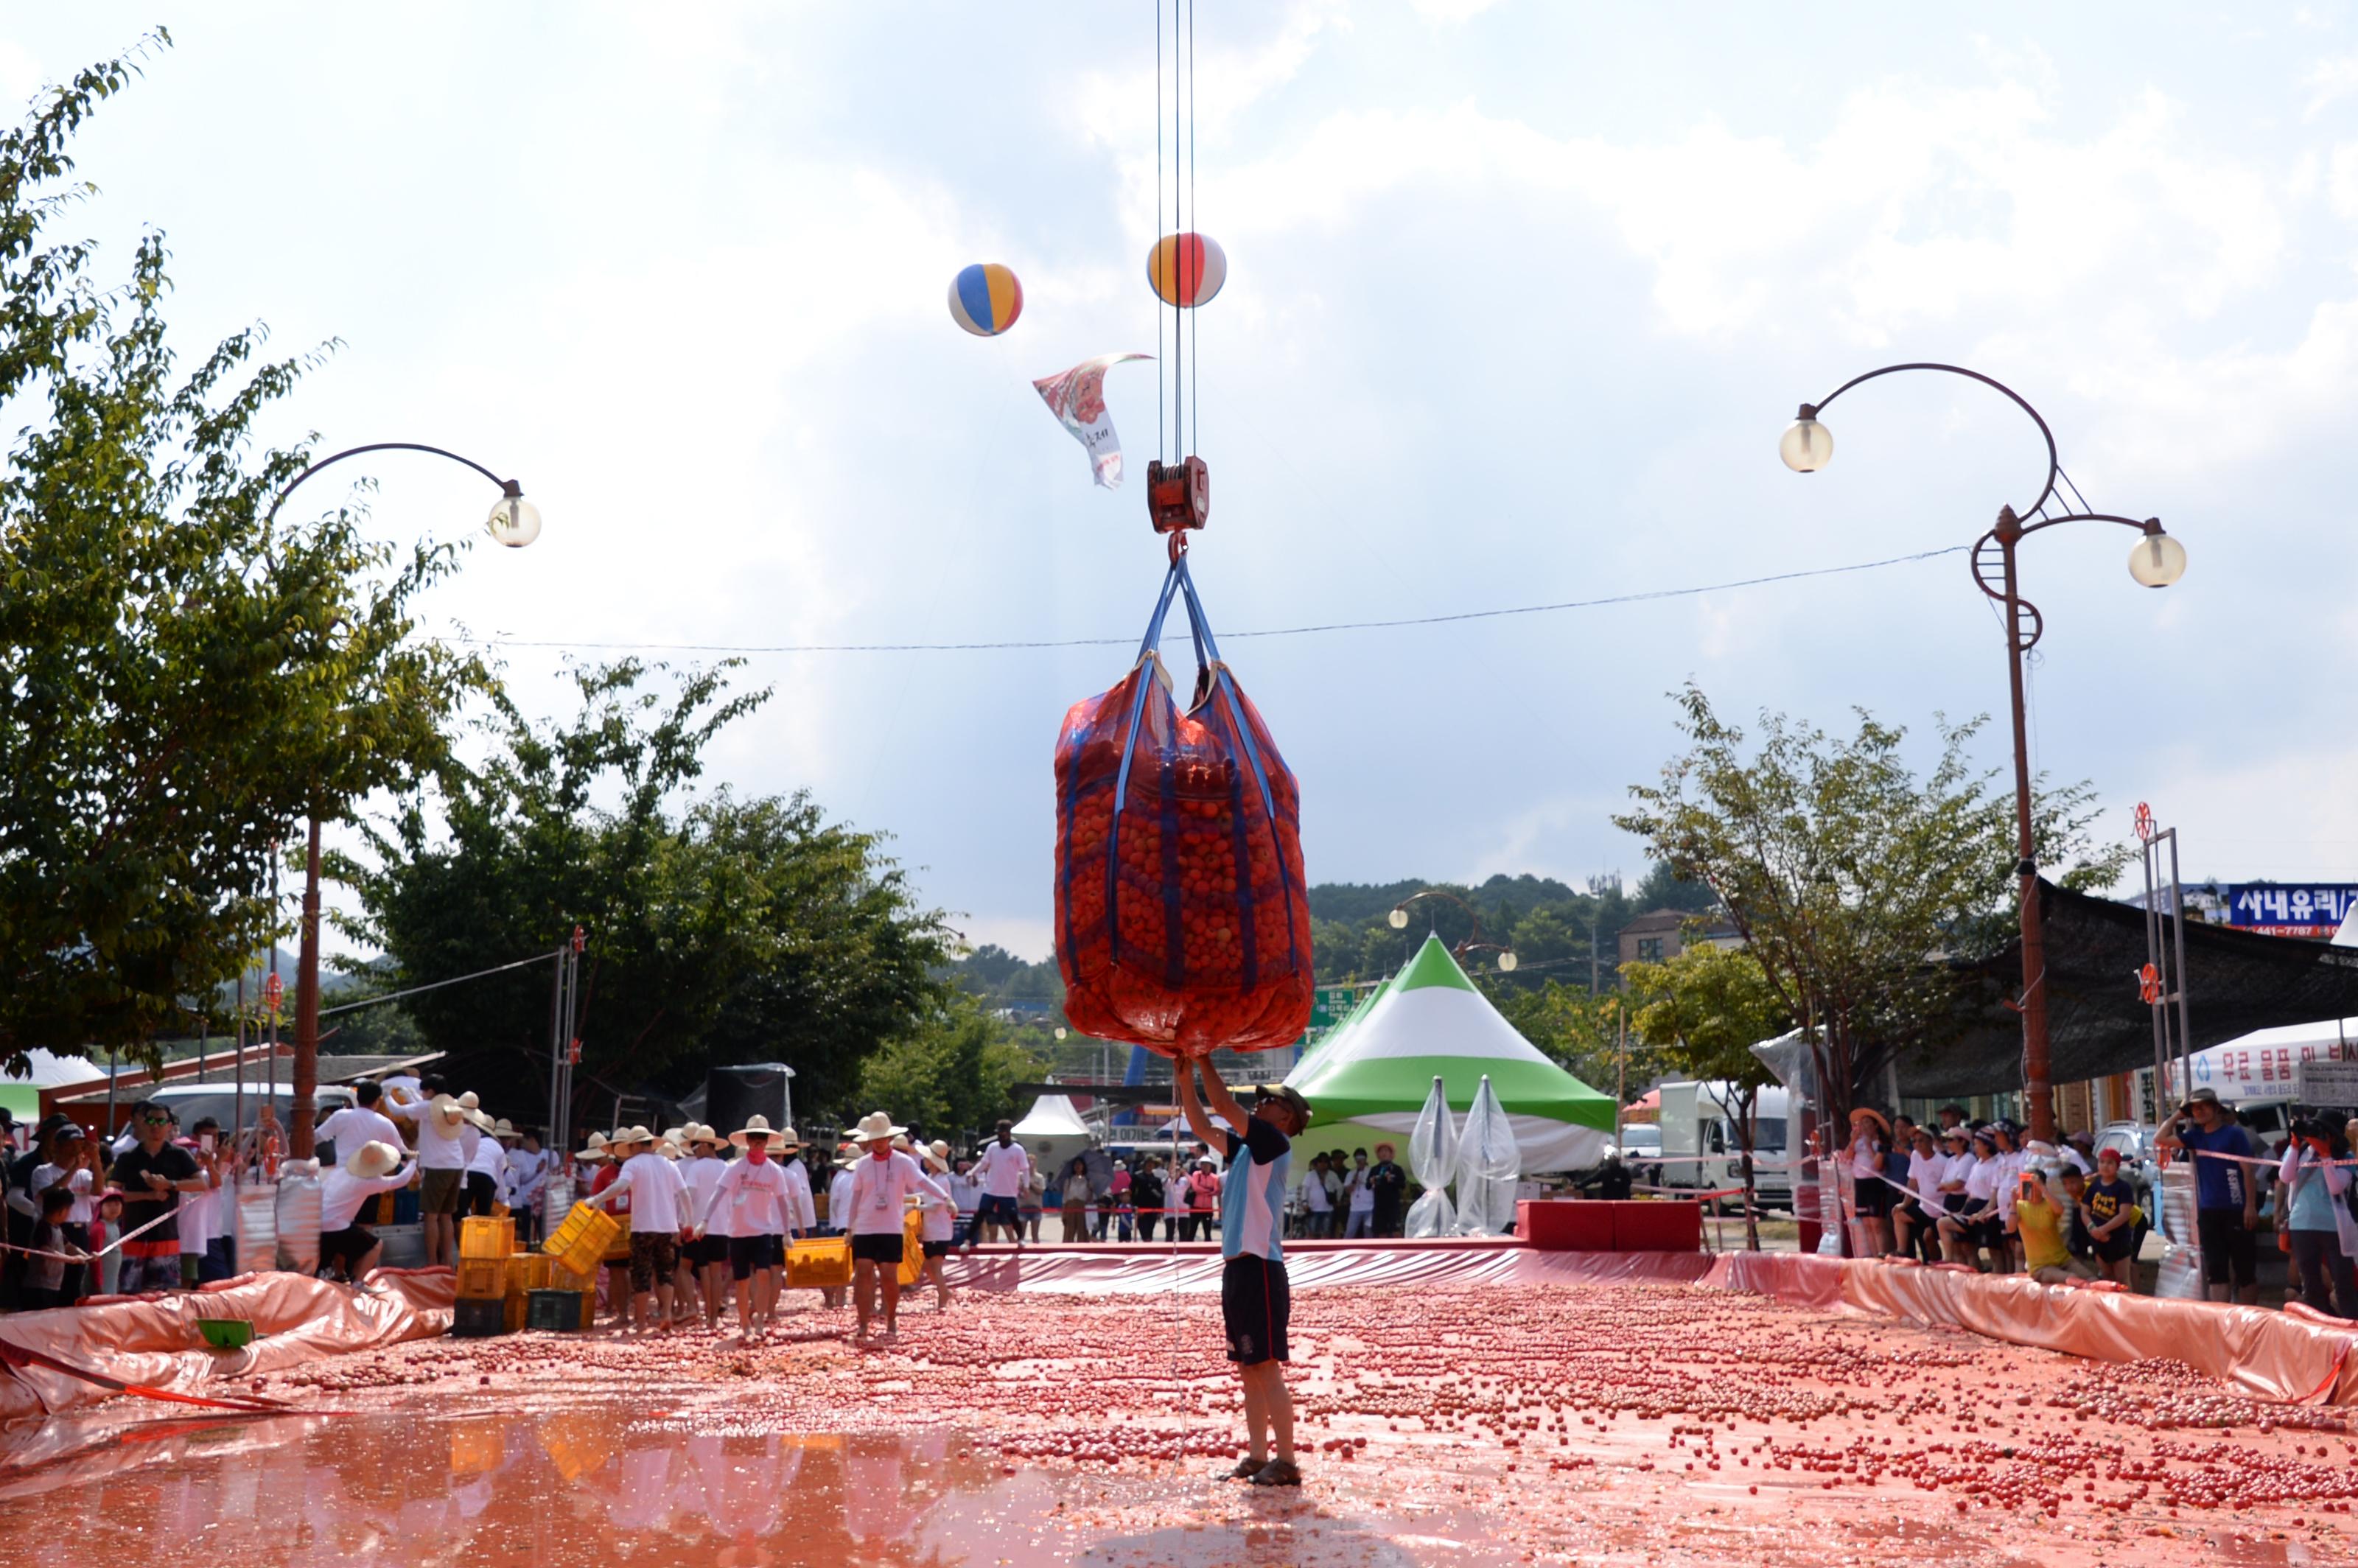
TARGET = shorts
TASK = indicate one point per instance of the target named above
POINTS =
(2229, 1247)
(747, 1253)
(438, 1191)
(995, 1210)
(482, 1192)
(877, 1248)
(705, 1251)
(1871, 1197)
(935, 1249)
(2122, 1243)
(1256, 1304)
(654, 1255)
(347, 1246)
(157, 1271)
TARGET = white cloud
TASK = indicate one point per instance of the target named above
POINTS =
(1455, 13)
(2329, 82)
(2341, 181)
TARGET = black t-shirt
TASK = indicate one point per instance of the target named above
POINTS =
(142, 1202)
(1146, 1190)
(1264, 1143)
(1390, 1182)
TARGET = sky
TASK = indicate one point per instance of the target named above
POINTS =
(1520, 295)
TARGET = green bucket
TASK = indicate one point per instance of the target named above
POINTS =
(226, 1332)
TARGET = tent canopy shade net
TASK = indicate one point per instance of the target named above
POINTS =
(1429, 1021)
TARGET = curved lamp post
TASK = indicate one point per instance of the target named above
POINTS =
(1474, 944)
(513, 521)
(2157, 560)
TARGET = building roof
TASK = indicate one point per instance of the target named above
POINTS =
(1655, 920)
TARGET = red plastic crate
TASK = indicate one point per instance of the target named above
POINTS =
(1670, 1225)
(1566, 1225)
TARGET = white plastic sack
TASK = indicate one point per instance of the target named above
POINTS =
(2181, 1276)
(556, 1204)
(1433, 1159)
(258, 1228)
(1489, 1161)
(298, 1217)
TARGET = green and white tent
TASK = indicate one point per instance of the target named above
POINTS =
(1369, 1078)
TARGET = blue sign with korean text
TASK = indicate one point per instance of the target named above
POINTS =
(2290, 909)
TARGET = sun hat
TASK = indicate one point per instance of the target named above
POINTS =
(595, 1148)
(778, 1137)
(503, 1128)
(629, 1137)
(937, 1153)
(699, 1134)
(447, 1111)
(371, 1159)
(876, 1126)
(2206, 1095)
(1960, 1131)
(1869, 1113)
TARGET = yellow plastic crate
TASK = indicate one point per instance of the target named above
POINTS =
(822, 1262)
(492, 1237)
(912, 1246)
(528, 1271)
(584, 1239)
(562, 1278)
(482, 1278)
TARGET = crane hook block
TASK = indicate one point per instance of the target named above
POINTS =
(1179, 496)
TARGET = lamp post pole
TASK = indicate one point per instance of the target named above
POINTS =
(2156, 561)
(513, 521)
(1473, 944)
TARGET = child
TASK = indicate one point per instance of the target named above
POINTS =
(939, 1223)
(2109, 1210)
(45, 1271)
(2038, 1220)
(104, 1231)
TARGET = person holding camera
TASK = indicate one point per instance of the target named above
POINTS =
(2226, 1198)
(2318, 1229)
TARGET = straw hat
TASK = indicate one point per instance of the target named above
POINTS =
(1868, 1113)
(469, 1102)
(596, 1150)
(628, 1138)
(875, 1127)
(937, 1154)
(702, 1133)
(503, 1128)
(371, 1159)
(446, 1112)
(778, 1137)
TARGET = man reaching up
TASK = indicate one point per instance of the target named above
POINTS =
(1254, 1300)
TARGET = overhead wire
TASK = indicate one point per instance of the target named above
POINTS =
(1316, 628)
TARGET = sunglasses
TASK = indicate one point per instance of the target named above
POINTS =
(156, 1120)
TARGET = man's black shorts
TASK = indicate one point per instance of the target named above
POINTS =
(937, 1248)
(705, 1251)
(347, 1246)
(877, 1248)
(2229, 1247)
(996, 1210)
(1256, 1303)
(747, 1253)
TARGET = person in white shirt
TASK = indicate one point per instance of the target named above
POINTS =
(364, 1121)
(487, 1166)
(1911, 1220)
(199, 1212)
(1361, 1220)
(708, 1255)
(939, 1204)
(750, 1209)
(528, 1171)
(346, 1246)
(72, 1164)
(882, 1183)
(1976, 1223)
(657, 1195)
(443, 1153)
(1002, 1168)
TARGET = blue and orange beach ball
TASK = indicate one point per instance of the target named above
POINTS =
(985, 298)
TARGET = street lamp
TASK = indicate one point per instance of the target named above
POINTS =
(1473, 944)
(2156, 561)
(513, 521)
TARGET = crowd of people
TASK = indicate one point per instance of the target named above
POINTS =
(1985, 1196)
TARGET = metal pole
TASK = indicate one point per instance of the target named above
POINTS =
(306, 1088)
(237, 1070)
(556, 1039)
(270, 1064)
(2178, 905)
(2035, 1087)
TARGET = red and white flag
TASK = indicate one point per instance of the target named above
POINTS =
(1076, 398)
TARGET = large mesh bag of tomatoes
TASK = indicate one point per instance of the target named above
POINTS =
(1182, 922)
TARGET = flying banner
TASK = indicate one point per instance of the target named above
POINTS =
(1076, 398)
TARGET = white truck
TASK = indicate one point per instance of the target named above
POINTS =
(1701, 1150)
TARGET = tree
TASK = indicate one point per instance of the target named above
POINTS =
(180, 680)
(1703, 1012)
(1578, 1030)
(1852, 881)
(949, 1077)
(719, 928)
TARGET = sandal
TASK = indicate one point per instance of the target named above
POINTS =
(1246, 1469)
(1278, 1473)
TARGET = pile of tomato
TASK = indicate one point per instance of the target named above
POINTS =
(1182, 923)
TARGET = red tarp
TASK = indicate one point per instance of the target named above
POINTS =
(154, 1341)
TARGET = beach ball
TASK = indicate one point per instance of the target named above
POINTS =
(985, 298)
(1186, 269)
